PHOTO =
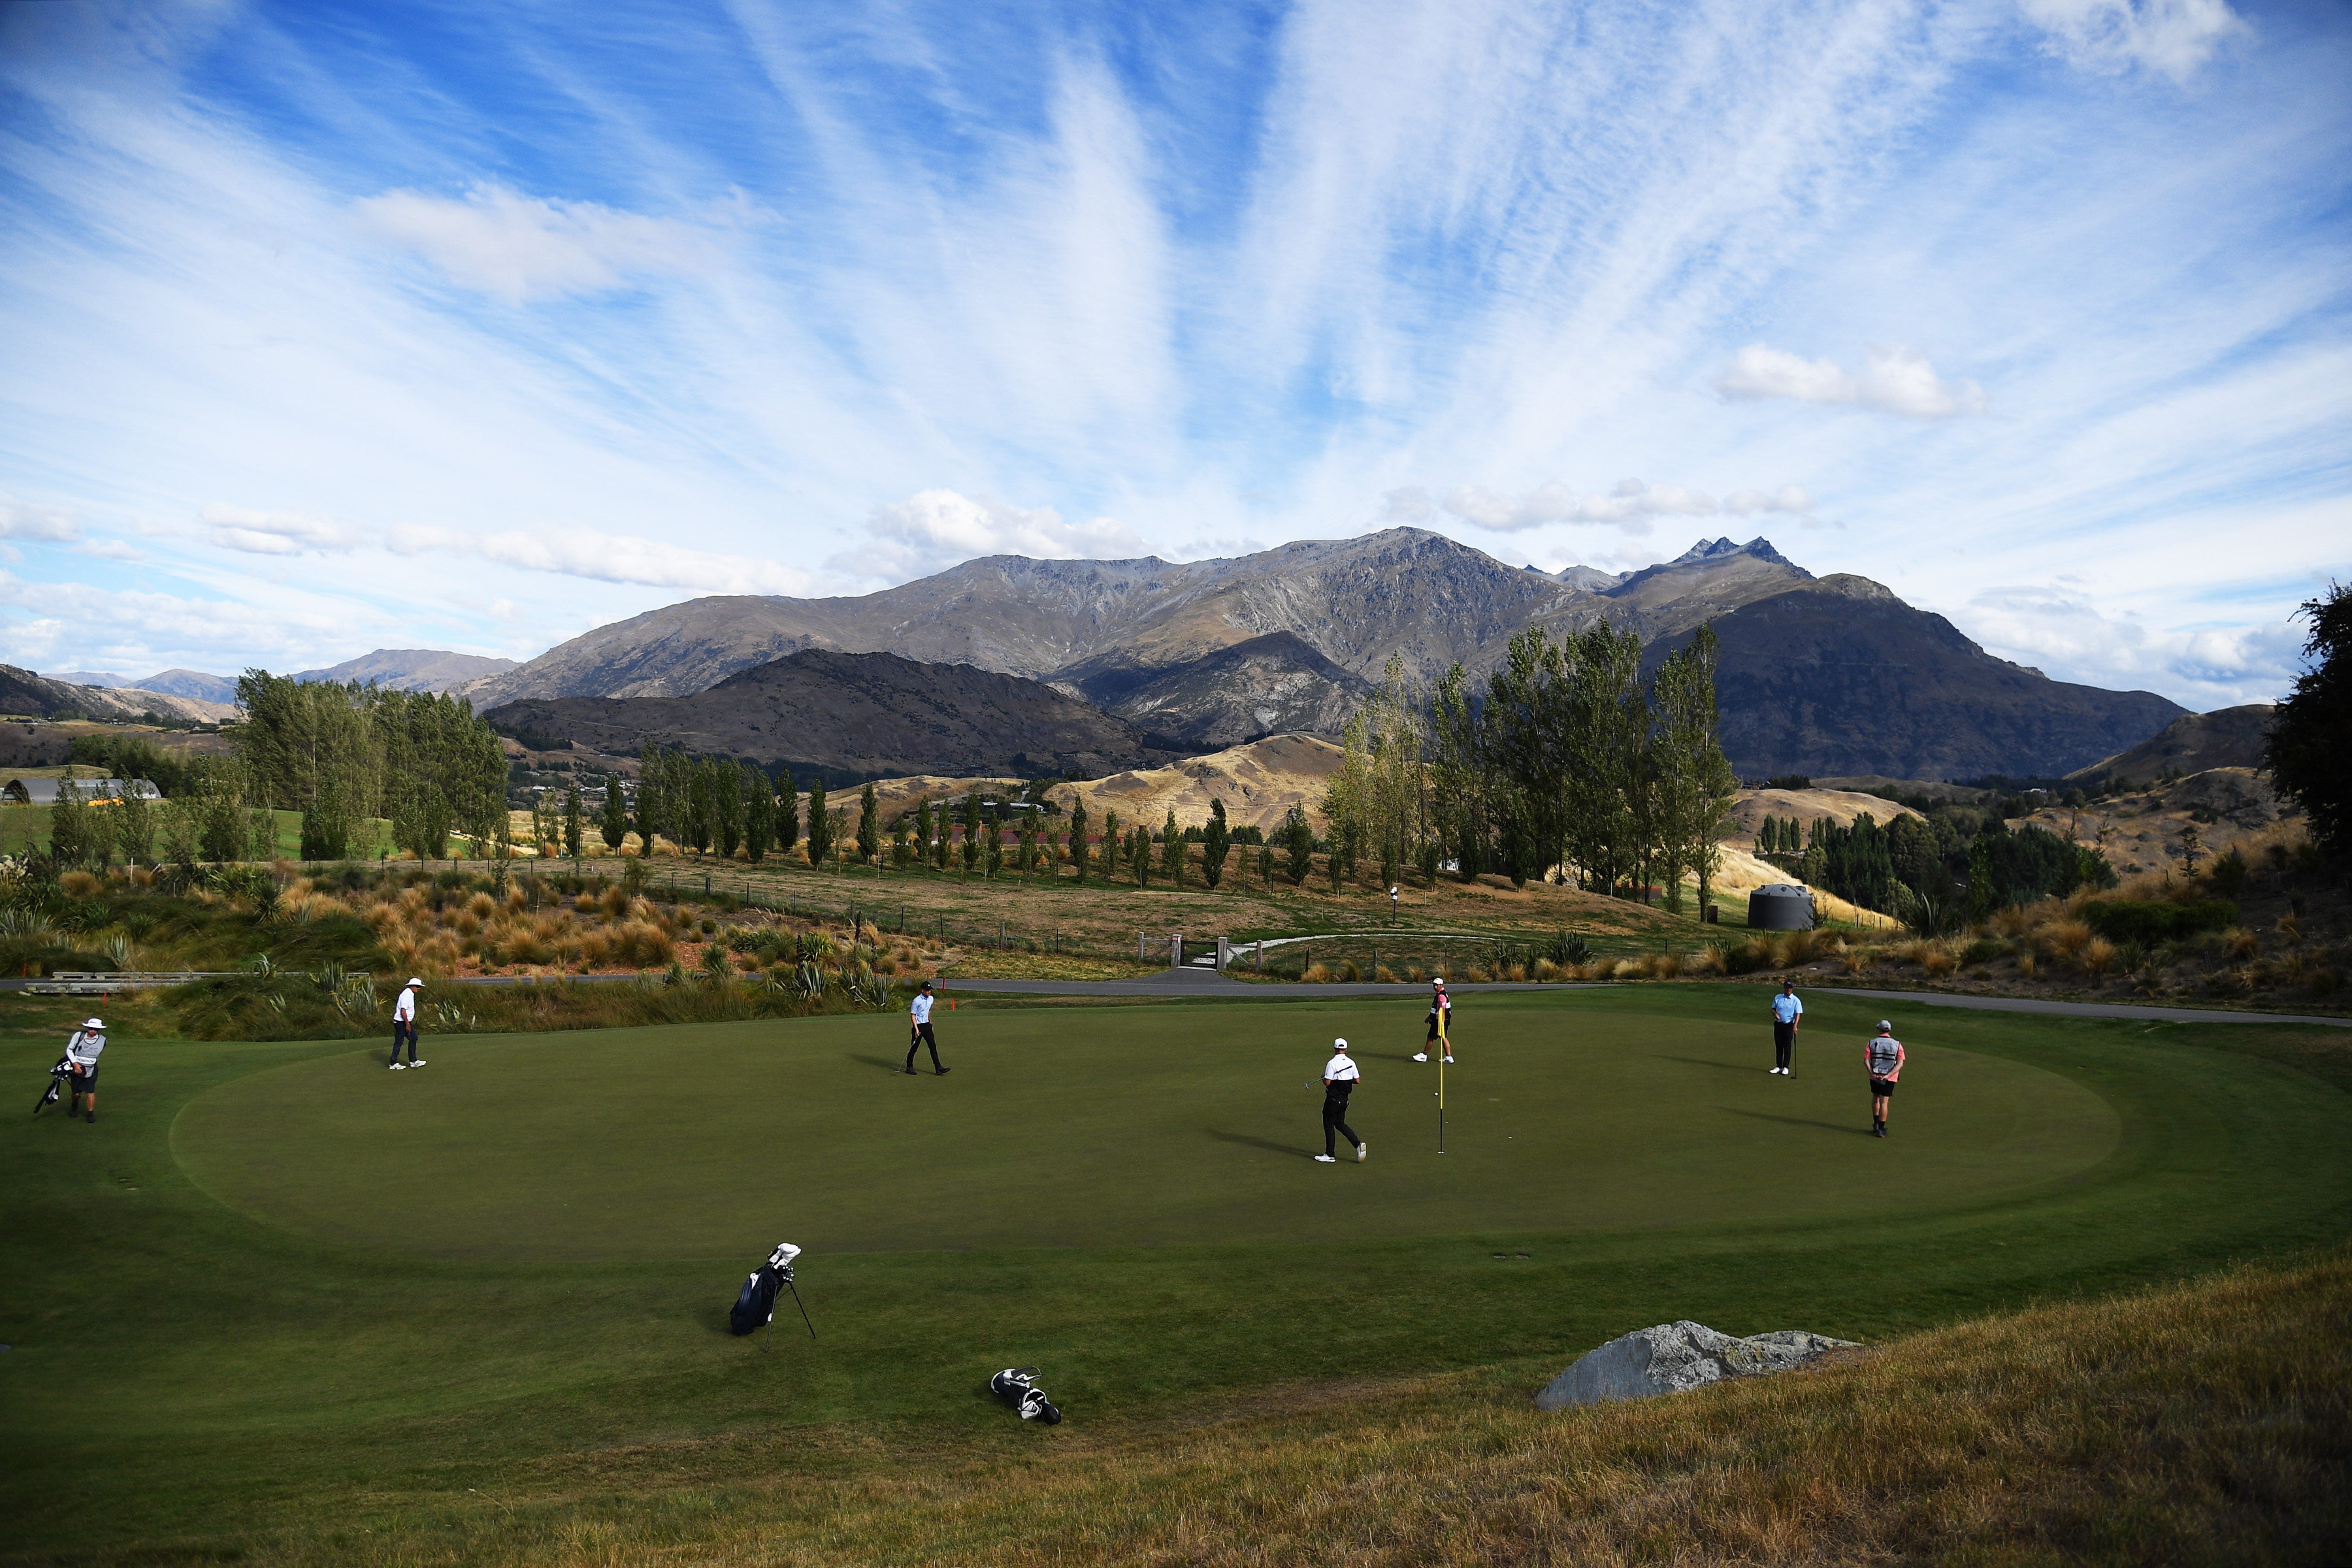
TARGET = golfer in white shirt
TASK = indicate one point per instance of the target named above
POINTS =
(83, 1047)
(1339, 1080)
(403, 1026)
(920, 1016)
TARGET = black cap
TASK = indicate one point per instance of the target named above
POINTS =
(925, 986)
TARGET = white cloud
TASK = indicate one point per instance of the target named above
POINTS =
(23, 520)
(604, 558)
(112, 550)
(1894, 379)
(2175, 37)
(933, 529)
(517, 248)
(1409, 504)
(1630, 505)
(2064, 632)
(276, 533)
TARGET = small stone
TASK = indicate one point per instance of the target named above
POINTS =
(1671, 1357)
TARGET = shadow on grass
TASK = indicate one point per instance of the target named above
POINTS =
(1698, 1062)
(1267, 1143)
(886, 1063)
(1798, 1121)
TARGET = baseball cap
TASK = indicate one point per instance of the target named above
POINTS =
(925, 986)
(91, 1023)
(1438, 981)
(1884, 1028)
(1339, 1044)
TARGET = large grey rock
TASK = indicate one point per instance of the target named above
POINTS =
(1671, 1357)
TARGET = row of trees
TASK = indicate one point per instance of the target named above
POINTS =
(340, 754)
(1917, 869)
(211, 818)
(1565, 758)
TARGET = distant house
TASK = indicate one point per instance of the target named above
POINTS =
(44, 792)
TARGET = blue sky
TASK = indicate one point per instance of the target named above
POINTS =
(330, 328)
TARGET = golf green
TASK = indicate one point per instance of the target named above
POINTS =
(1127, 1127)
(276, 1284)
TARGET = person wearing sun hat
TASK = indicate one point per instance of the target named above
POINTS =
(82, 1049)
(1340, 1077)
(403, 1024)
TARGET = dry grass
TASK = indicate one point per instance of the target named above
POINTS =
(2204, 1422)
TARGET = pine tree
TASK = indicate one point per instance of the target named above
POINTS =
(1078, 838)
(759, 814)
(1216, 842)
(1298, 844)
(820, 823)
(869, 827)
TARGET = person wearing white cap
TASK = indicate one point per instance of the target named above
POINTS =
(1884, 1057)
(1441, 1017)
(82, 1049)
(1339, 1080)
(403, 1024)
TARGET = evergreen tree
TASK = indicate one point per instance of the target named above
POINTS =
(72, 835)
(1078, 838)
(701, 802)
(574, 827)
(726, 806)
(1139, 853)
(869, 827)
(2311, 731)
(923, 851)
(325, 824)
(1171, 852)
(902, 846)
(820, 823)
(1298, 838)
(1266, 867)
(1215, 843)
(613, 822)
(653, 815)
(992, 832)
(135, 823)
(970, 830)
(1111, 845)
(788, 810)
(759, 814)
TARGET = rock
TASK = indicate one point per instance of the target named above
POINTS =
(1671, 1357)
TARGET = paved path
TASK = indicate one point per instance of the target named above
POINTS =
(1206, 983)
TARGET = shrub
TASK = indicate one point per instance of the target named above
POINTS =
(1315, 974)
(1348, 971)
(1983, 950)
(2071, 937)
(1936, 962)
(2152, 921)
(2025, 966)
(2227, 875)
(2240, 944)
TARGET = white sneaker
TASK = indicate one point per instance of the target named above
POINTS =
(397, 1068)
(1420, 1056)
(1363, 1153)
(1449, 1061)
(1325, 1159)
(417, 1063)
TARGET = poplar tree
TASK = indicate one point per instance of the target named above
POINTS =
(788, 810)
(613, 822)
(820, 823)
(1216, 842)
(653, 816)
(726, 806)
(970, 830)
(1111, 844)
(1298, 844)
(759, 814)
(574, 834)
(923, 830)
(1171, 851)
(869, 826)
(1078, 838)
(702, 792)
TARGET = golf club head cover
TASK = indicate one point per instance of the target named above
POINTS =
(1035, 1406)
(1012, 1385)
(780, 1260)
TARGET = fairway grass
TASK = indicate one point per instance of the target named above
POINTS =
(277, 1283)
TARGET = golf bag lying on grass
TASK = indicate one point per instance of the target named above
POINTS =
(1016, 1386)
(757, 1303)
(57, 1077)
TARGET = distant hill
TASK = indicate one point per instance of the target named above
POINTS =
(2225, 738)
(1265, 686)
(1840, 676)
(33, 696)
(194, 683)
(1210, 653)
(88, 677)
(1258, 784)
(412, 670)
(865, 715)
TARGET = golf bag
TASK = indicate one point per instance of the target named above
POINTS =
(757, 1304)
(57, 1077)
(1016, 1386)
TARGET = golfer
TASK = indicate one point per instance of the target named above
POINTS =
(1441, 1016)
(1883, 1056)
(1786, 1010)
(82, 1049)
(403, 1024)
(920, 1016)
(1339, 1080)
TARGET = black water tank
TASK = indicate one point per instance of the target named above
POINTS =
(1783, 906)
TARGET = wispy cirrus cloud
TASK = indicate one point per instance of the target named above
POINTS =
(519, 247)
(936, 528)
(2174, 37)
(1631, 505)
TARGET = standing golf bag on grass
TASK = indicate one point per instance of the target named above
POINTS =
(757, 1303)
(58, 1076)
(1016, 1386)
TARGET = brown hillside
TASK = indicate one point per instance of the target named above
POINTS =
(1258, 782)
(2226, 738)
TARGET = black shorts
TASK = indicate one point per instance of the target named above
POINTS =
(1433, 1032)
(1882, 1088)
(82, 1082)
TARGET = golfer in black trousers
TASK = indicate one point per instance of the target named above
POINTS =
(1339, 1080)
(919, 1016)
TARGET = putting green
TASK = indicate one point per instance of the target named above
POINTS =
(1127, 1127)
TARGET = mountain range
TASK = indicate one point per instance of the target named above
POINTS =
(1831, 675)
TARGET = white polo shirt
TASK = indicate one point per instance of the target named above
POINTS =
(921, 1011)
(1342, 1068)
(404, 1009)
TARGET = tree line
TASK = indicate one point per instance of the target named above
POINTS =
(1563, 762)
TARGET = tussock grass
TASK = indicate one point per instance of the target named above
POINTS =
(2209, 1421)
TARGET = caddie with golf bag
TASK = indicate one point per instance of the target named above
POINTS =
(757, 1302)
(77, 1070)
(1017, 1387)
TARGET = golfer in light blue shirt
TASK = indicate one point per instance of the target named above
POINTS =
(1786, 1011)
